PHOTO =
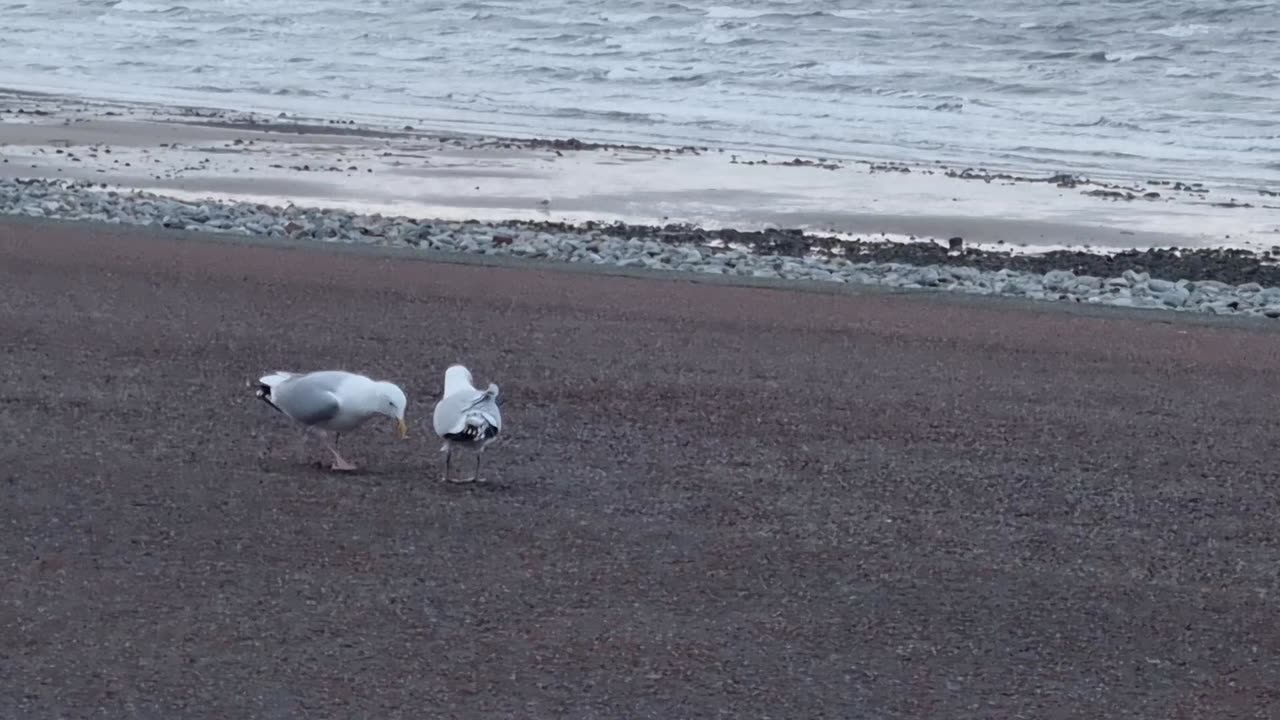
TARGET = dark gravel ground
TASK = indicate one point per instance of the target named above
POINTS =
(710, 502)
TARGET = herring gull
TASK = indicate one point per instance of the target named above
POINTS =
(466, 417)
(333, 400)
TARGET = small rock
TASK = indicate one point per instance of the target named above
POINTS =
(1209, 286)
(1136, 278)
(1059, 280)
(1174, 297)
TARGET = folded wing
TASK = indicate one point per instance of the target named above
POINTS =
(309, 399)
(468, 415)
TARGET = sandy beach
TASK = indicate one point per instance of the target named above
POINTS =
(195, 153)
(711, 500)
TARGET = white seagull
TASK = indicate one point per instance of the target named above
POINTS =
(466, 417)
(333, 400)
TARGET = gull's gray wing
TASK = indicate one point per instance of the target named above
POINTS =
(466, 409)
(488, 406)
(450, 414)
(310, 399)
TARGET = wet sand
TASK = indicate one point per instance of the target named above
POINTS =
(711, 501)
(419, 172)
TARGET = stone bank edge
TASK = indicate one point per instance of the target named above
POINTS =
(75, 200)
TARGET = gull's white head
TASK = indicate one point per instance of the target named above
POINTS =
(456, 378)
(394, 404)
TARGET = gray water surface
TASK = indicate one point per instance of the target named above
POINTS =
(1180, 89)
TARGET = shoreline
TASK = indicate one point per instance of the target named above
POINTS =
(456, 175)
(1125, 279)
(697, 210)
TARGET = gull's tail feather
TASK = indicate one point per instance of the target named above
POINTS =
(268, 383)
(476, 426)
(276, 378)
(480, 420)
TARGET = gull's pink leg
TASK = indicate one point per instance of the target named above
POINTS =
(302, 441)
(339, 463)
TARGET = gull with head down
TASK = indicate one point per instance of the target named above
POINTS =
(333, 400)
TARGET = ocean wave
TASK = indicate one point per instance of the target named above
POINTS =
(1124, 57)
(1074, 151)
(724, 40)
(584, 113)
(1049, 54)
(774, 17)
(1183, 30)
(408, 54)
(283, 91)
(795, 73)
(724, 12)
(623, 18)
(252, 89)
(206, 89)
(141, 6)
(1118, 124)
(1227, 11)
(1260, 79)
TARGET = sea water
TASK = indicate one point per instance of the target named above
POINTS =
(1168, 89)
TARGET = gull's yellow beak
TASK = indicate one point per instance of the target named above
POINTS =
(402, 429)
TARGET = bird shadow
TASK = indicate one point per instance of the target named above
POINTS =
(315, 468)
(485, 486)
(415, 477)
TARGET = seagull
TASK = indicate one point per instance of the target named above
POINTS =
(466, 417)
(333, 400)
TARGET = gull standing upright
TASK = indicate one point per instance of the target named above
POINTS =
(333, 400)
(466, 417)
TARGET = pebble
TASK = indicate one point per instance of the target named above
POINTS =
(81, 201)
(1173, 296)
